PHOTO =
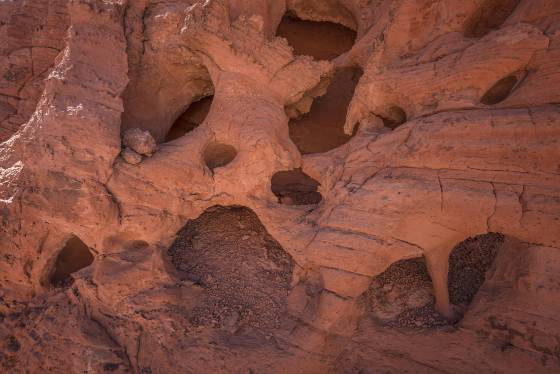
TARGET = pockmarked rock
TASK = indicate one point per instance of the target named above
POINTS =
(278, 186)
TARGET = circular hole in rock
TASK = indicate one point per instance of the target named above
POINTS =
(499, 91)
(188, 121)
(322, 128)
(218, 154)
(294, 187)
(402, 296)
(244, 272)
(395, 117)
(74, 256)
(489, 16)
(320, 40)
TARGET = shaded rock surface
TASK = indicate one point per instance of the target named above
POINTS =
(451, 132)
(245, 272)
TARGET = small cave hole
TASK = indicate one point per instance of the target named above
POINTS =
(320, 40)
(499, 91)
(402, 296)
(322, 128)
(395, 117)
(489, 16)
(294, 187)
(73, 257)
(190, 119)
(244, 272)
(218, 154)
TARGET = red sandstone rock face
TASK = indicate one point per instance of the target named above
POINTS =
(244, 243)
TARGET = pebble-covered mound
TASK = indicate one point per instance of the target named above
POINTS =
(244, 271)
(468, 264)
(402, 296)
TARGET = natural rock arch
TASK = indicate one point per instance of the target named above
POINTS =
(403, 296)
(320, 40)
(322, 128)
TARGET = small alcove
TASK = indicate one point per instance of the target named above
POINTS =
(320, 40)
(322, 128)
(402, 296)
(294, 187)
(489, 16)
(74, 256)
(190, 119)
(218, 154)
(501, 90)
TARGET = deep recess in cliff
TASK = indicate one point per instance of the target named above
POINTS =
(277, 186)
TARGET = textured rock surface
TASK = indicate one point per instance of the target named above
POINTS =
(456, 133)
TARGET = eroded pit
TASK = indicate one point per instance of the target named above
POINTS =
(245, 273)
(294, 187)
(192, 118)
(395, 117)
(402, 296)
(489, 16)
(500, 90)
(322, 128)
(74, 256)
(320, 40)
(218, 154)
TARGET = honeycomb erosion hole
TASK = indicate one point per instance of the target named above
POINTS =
(74, 256)
(499, 91)
(402, 296)
(294, 187)
(490, 16)
(218, 155)
(192, 118)
(245, 273)
(322, 129)
(320, 40)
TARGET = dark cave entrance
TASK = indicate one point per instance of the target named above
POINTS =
(489, 16)
(503, 88)
(320, 40)
(244, 272)
(322, 128)
(74, 256)
(294, 187)
(394, 117)
(190, 119)
(402, 296)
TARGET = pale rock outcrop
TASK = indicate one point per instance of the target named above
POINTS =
(131, 156)
(141, 142)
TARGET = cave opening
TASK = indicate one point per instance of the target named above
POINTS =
(322, 128)
(395, 117)
(489, 16)
(403, 296)
(500, 90)
(190, 119)
(294, 187)
(74, 256)
(320, 40)
(244, 272)
(218, 154)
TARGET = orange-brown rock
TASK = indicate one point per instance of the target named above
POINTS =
(419, 232)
